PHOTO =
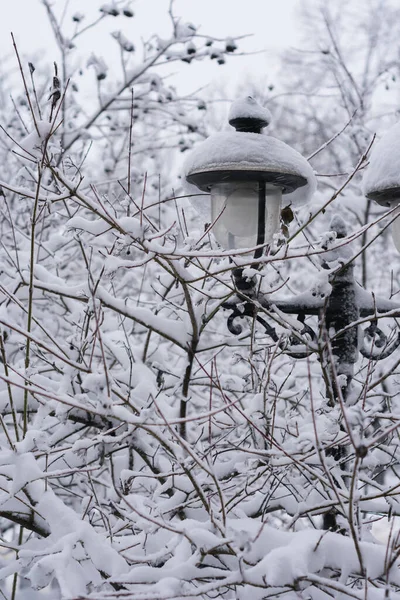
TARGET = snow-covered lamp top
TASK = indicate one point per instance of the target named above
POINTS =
(381, 180)
(245, 154)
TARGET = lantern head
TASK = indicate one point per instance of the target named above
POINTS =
(246, 173)
(381, 181)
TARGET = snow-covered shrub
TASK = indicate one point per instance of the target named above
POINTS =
(146, 452)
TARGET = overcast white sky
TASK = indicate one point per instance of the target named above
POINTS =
(271, 23)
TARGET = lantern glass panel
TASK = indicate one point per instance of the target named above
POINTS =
(236, 209)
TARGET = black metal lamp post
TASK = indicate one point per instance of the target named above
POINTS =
(246, 174)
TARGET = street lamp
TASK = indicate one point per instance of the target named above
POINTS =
(246, 174)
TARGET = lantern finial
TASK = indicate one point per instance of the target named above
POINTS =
(246, 114)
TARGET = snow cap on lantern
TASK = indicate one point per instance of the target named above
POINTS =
(381, 180)
(238, 167)
(246, 113)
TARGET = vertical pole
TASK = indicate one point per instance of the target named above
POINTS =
(341, 311)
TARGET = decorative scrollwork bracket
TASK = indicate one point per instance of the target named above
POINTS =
(347, 303)
(380, 345)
